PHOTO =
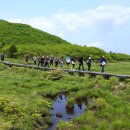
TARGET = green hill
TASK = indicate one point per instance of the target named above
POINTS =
(14, 33)
(27, 39)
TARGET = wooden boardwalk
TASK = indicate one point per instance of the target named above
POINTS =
(91, 73)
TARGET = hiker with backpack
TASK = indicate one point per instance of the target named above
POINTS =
(89, 60)
(102, 63)
(35, 60)
(67, 61)
(73, 63)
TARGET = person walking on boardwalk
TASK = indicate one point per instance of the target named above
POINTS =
(61, 62)
(67, 61)
(42, 60)
(102, 63)
(26, 58)
(2, 57)
(51, 61)
(56, 61)
(73, 63)
(47, 61)
(35, 60)
(39, 60)
(89, 61)
(81, 63)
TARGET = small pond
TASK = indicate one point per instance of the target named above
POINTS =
(59, 106)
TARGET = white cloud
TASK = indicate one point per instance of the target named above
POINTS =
(95, 44)
(99, 20)
(116, 15)
(41, 23)
(18, 20)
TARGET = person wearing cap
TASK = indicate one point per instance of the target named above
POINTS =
(35, 60)
(42, 60)
(102, 63)
(89, 61)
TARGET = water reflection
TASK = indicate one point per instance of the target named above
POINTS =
(59, 105)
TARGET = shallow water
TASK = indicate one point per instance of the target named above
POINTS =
(59, 105)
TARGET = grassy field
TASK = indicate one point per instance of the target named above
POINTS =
(26, 97)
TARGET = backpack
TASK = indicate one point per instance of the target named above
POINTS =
(68, 59)
(103, 63)
(88, 61)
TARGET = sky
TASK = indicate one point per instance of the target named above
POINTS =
(101, 23)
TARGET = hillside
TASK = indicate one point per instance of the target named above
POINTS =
(14, 33)
(36, 42)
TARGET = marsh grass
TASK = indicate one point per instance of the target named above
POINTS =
(25, 101)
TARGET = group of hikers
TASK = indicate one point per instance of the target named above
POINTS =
(55, 61)
(46, 61)
(50, 61)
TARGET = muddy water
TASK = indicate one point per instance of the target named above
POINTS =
(59, 105)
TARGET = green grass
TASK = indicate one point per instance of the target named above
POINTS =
(25, 98)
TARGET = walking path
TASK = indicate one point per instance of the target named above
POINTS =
(91, 73)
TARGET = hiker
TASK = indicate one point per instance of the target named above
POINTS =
(47, 61)
(73, 63)
(2, 57)
(42, 61)
(81, 63)
(35, 60)
(51, 61)
(102, 63)
(89, 60)
(26, 58)
(56, 62)
(61, 62)
(39, 60)
(67, 61)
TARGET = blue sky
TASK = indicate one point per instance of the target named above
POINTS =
(101, 23)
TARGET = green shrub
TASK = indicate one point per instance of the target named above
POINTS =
(86, 118)
(63, 125)
(113, 81)
(70, 101)
(4, 124)
(12, 52)
(56, 74)
(82, 94)
(99, 104)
